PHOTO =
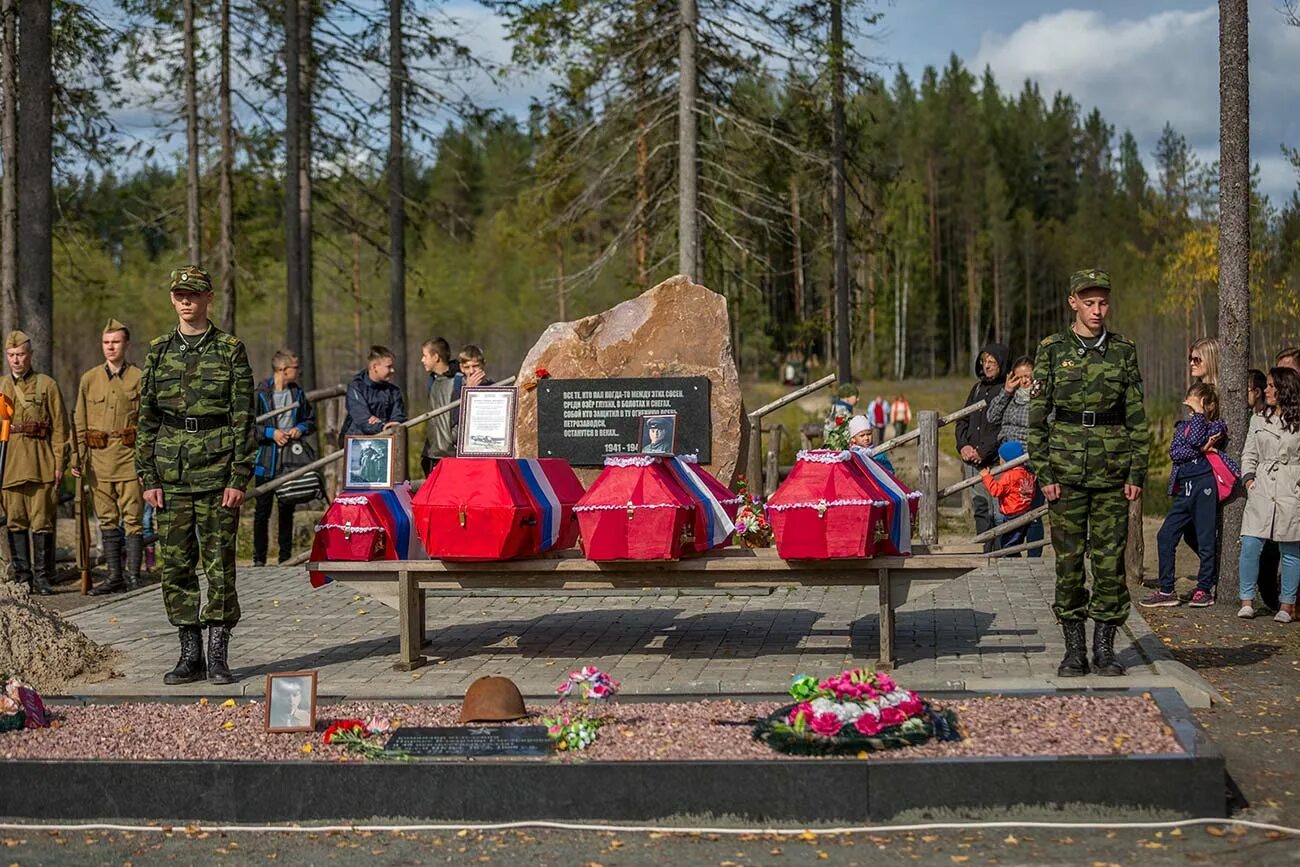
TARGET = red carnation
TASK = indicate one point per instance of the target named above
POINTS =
(842, 420)
(344, 725)
(542, 373)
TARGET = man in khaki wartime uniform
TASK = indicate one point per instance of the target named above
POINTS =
(108, 408)
(34, 464)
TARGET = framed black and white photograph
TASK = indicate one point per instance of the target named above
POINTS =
(487, 423)
(369, 462)
(291, 701)
(658, 435)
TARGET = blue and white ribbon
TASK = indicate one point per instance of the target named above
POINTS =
(719, 525)
(900, 530)
(544, 495)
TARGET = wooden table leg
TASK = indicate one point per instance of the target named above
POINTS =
(886, 661)
(409, 626)
(421, 597)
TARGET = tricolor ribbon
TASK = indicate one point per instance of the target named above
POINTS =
(900, 529)
(719, 525)
(539, 486)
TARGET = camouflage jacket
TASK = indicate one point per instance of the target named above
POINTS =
(204, 382)
(1105, 380)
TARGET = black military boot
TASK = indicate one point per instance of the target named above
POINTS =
(134, 545)
(189, 668)
(1103, 650)
(113, 560)
(218, 645)
(1075, 663)
(20, 553)
(42, 563)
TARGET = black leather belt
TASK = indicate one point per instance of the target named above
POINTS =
(1092, 419)
(196, 423)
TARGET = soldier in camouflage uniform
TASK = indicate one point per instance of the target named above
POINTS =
(108, 403)
(1088, 443)
(35, 460)
(195, 453)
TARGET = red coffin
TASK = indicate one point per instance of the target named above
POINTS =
(365, 525)
(827, 509)
(488, 508)
(705, 534)
(636, 510)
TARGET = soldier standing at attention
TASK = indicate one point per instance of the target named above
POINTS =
(195, 454)
(108, 406)
(34, 465)
(1088, 444)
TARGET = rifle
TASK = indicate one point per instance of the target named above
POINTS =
(83, 534)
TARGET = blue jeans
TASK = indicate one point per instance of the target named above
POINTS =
(1251, 546)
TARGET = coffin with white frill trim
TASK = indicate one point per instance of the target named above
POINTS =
(644, 507)
(903, 504)
(828, 508)
(363, 526)
(476, 509)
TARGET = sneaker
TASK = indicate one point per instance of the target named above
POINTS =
(1283, 617)
(1200, 599)
(1246, 611)
(1160, 599)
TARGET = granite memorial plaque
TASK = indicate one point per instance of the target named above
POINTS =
(472, 741)
(586, 420)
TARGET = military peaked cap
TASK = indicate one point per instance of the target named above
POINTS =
(191, 278)
(1090, 278)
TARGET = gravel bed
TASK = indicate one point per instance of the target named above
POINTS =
(994, 725)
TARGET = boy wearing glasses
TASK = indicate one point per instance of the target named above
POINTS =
(273, 435)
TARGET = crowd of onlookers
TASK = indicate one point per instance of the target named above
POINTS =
(1203, 476)
(373, 405)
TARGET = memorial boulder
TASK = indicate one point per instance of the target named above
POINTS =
(678, 330)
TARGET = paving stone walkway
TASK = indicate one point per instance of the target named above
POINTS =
(989, 630)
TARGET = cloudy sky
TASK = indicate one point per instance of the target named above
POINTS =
(1142, 62)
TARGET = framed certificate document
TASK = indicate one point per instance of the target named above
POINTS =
(487, 423)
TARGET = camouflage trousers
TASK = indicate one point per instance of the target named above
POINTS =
(194, 529)
(1093, 522)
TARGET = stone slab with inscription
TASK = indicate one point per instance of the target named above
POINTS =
(586, 420)
(453, 741)
(677, 329)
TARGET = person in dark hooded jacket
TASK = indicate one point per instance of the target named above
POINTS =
(977, 437)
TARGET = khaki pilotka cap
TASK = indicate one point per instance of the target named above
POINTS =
(191, 278)
(16, 339)
(113, 325)
(1092, 278)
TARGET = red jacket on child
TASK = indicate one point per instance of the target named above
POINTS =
(1014, 490)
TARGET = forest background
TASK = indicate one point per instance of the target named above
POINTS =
(969, 200)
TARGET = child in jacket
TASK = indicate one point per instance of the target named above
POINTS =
(1195, 499)
(1013, 489)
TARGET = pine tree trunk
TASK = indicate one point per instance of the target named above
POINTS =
(559, 281)
(796, 233)
(688, 232)
(193, 221)
(34, 181)
(225, 180)
(973, 299)
(9, 180)
(307, 345)
(396, 188)
(292, 142)
(1234, 257)
(357, 348)
(642, 238)
(997, 296)
(844, 361)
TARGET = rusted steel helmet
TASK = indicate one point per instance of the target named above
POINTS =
(492, 699)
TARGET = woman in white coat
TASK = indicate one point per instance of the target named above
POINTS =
(1270, 468)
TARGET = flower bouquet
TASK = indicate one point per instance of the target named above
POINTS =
(20, 706)
(752, 527)
(837, 438)
(363, 738)
(579, 729)
(853, 712)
